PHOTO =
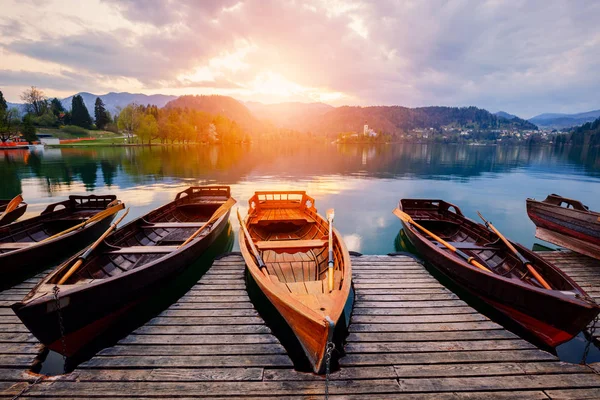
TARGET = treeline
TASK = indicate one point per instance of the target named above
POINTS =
(171, 124)
(41, 111)
(396, 120)
(587, 134)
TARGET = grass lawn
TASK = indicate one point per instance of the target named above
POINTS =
(59, 134)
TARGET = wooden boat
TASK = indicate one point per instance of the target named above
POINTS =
(11, 216)
(33, 243)
(566, 223)
(125, 268)
(554, 315)
(292, 239)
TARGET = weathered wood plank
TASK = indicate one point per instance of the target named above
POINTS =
(353, 360)
(414, 311)
(497, 334)
(445, 346)
(205, 321)
(200, 329)
(424, 327)
(222, 339)
(409, 319)
(516, 382)
(189, 361)
(168, 375)
(192, 350)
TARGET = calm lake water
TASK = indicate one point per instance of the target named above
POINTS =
(362, 183)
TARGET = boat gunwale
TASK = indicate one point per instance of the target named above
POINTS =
(67, 289)
(581, 300)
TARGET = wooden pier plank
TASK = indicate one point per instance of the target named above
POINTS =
(409, 338)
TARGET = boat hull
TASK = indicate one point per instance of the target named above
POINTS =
(88, 312)
(552, 319)
(574, 229)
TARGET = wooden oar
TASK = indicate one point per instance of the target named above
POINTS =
(512, 248)
(261, 263)
(330, 216)
(87, 253)
(95, 218)
(216, 215)
(14, 203)
(407, 218)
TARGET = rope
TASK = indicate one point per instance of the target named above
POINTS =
(61, 326)
(328, 351)
(26, 388)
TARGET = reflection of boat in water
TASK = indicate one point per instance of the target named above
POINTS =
(554, 315)
(285, 245)
(566, 223)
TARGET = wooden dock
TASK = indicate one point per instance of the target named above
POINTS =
(410, 338)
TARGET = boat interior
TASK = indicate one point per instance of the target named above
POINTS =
(54, 219)
(447, 221)
(150, 237)
(293, 242)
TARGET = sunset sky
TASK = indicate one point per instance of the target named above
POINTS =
(524, 57)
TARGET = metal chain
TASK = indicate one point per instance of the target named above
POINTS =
(328, 351)
(26, 388)
(591, 332)
(61, 326)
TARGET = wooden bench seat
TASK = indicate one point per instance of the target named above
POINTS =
(144, 250)
(169, 225)
(290, 244)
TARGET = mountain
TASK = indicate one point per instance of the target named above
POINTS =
(113, 100)
(291, 115)
(18, 106)
(505, 115)
(559, 121)
(217, 104)
(396, 119)
(587, 134)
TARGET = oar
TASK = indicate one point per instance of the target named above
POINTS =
(95, 218)
(512, 248)
(216, 215)
(407, 218)
(261, 263)
(90, 249)
(330, 215)
(14, 203)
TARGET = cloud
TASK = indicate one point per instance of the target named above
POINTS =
(523, 57)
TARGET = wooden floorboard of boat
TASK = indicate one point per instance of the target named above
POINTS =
(410, 338)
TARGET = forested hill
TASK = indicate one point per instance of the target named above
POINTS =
(219, 105)
(396, 119)
(587, 134)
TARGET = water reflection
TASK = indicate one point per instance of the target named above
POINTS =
(363, 182)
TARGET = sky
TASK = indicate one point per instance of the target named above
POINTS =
(523, 57)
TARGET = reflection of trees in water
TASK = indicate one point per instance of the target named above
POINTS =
(10, 183)
(232, 163)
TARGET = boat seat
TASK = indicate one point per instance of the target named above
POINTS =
(290, 244)
(144, 250)
(277, 215)
(169, 225)
(468, 246)
(16, 245)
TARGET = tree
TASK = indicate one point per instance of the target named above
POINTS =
(101, 115)
(9, 124)
(79, 113)
(129, 119)
(56, 107)
(147, 128)
(35, 101)
(3, 105)
(28, 130)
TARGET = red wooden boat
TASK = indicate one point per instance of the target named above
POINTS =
(566, 223)
(554, 315)
(124, 269)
